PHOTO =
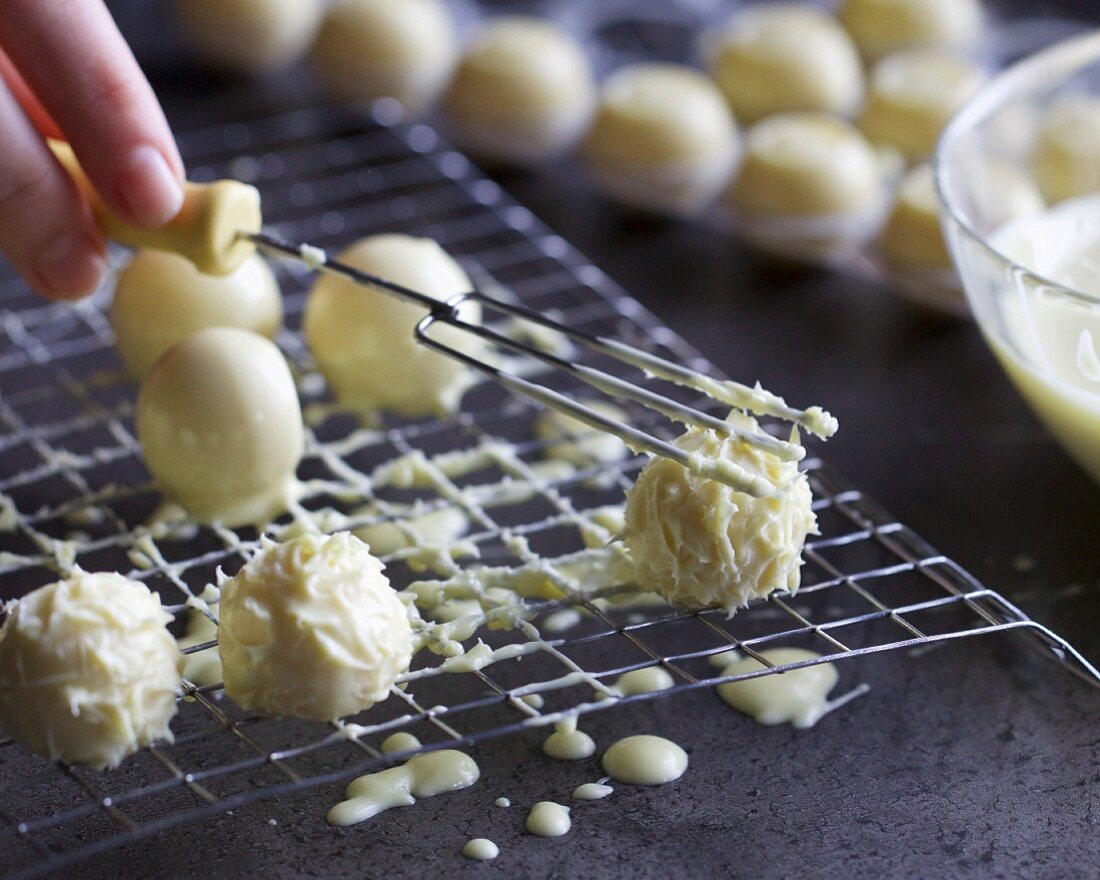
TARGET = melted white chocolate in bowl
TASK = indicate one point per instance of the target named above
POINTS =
(1053, 347)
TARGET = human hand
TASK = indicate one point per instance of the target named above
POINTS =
(67, 72)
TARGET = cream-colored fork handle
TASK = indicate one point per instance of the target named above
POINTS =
(205, 231)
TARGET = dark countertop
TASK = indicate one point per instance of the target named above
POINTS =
(977, 759)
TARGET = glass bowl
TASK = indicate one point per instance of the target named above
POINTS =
(1020, 193)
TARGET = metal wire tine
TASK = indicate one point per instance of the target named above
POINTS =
(446, 310)
(756, 400)
(722, 470)
(613, 385)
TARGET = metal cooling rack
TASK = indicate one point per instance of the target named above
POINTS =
(69, 463)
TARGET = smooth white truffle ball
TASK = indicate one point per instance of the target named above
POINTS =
(806, 165)
(403, 49)
(912, 96)
(663, 139)
(701, 544)
(523, 91)
(913, 237)
(783, 57)
(250, 36)
(1066, 156)
(88, 670)
(312, 629)
(364, 341)
(220, 426)
(880, 27)
(161, 299)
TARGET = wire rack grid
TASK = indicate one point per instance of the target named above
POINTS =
(73, 490)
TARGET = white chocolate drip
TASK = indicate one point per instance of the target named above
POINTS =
(423, 776)
(567, 743)
(798, 696)
(645, 760)
(480, 849)
(548, 819)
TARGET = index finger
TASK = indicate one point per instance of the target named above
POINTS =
(78, 66)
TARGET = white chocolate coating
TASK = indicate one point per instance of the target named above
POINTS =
(548, 819)
(403, 49)
(523, 91)
(663, 139)
(913, 237)
(643, 681)
(645, 760)
(438, 529)
(806, 165)
(88, 671)
(161, 299)
(911, 97)
(783, 57)
(220, 426)
(364, 340)
(312, 629)
(577, 443)
(880, 27)
(798, 696)
(1066, 157)
(592, 791)
(250, 36)
(699, 543)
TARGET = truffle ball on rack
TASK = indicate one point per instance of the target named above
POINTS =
(364, 342)
(701, 544)
(312, 629)
(783, 57)
(911, 97)
(161, 299)
(523, 91)
(912, 238)
(808, 182)
(403, 49)
(880, 27)
(1066, 156)
(250, 36)
(220, 426)
(88, 670)
(663, 139)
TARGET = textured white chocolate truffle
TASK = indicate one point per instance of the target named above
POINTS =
(913, 237)
(403, 49)
(663, 139)
(783, 57)
(161, 299)
(523, 91)
(88, 670)
(912, 96)
(806, 165)
(364, 340)
(250, 36)
(880, 27)
(1066, 157)
(700, 544)
(312, 629)
(220, 426)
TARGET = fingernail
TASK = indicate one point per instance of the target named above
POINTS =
(70, 267)
(148, 188)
